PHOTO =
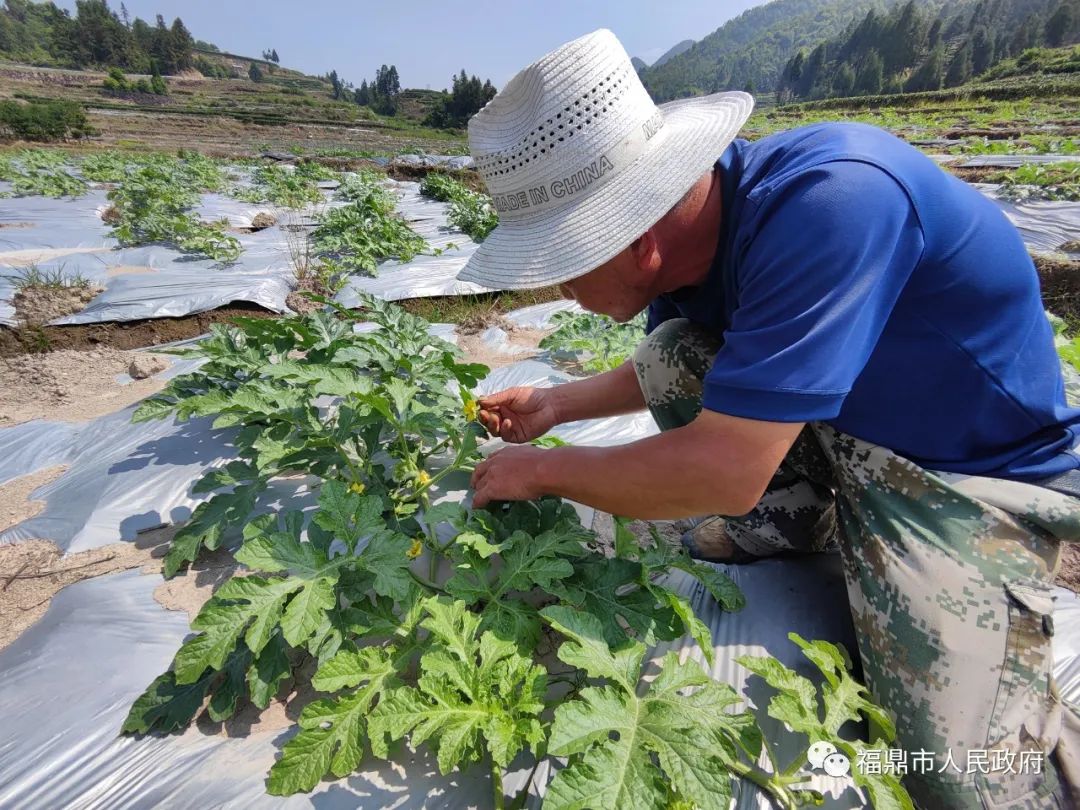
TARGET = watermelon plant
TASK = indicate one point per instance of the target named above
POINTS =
(470, 212)
(153, 204)
(355, 237)
(604, 343)
(491, 636)
(289, 187)
(40, 172)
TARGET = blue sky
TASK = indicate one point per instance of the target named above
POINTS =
(431, 41)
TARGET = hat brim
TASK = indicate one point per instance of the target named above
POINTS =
(563, 244)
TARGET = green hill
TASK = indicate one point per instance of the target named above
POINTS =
(915, 48)
(749, 51)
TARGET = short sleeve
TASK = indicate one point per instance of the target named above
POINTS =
(825, 257)
(660, 310)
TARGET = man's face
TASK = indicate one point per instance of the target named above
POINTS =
(618, 288)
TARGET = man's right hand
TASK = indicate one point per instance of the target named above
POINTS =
(519, 415)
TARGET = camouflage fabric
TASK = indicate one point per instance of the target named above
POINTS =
(949, 580)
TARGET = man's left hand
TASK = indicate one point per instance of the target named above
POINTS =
(508, 475)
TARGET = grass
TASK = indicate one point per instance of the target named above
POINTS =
(33, 277)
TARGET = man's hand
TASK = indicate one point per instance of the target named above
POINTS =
(508, 475)
(519, 415)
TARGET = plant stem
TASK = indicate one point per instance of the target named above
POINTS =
(496, 778)
(426, 583)
(778, 792)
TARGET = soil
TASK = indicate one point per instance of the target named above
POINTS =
(298, 302)
(128, 270)
(122, 335)
(32, 572)
(476, 351)
(71, 386)
(1060, 282)
(1069, 569)
(40, 305)
(262, 220)
(15, 503)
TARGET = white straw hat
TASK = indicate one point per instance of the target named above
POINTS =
(581, 162)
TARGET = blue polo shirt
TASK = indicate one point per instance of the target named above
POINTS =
(857, 284)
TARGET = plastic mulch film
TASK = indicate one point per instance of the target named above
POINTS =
(424, 276)
(1045, 226)
(155, 281)
(1012, 161)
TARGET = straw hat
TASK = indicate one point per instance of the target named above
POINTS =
(580, 162)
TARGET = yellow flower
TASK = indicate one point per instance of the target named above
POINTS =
(357, 488)
(471, 410)
(422, 478)
(415, 550)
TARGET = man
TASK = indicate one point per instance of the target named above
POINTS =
(843, 341)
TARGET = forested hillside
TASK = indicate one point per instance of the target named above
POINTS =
(749, 52)
(915, 48)
(95, 36)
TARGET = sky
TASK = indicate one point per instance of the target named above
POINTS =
(431, 41)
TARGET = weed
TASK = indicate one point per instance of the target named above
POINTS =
(33, 276)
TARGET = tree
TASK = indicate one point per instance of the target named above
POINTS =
(362, 96)
(960, 69)
(274, 57)
(254, 73)
(157, 83)
(844, 82)
(982, 51)
(929, 76)
(336, 85)
(1060, 25)
(124, 16)
(180, 44)
(871, 75)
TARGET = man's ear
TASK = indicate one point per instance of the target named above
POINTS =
(646, 252)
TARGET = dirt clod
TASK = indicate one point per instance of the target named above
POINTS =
(262, 220)
(111, 215)
(1069, 570)
(146, 365)
(40, 305)
(298, 301)
(1071, 247)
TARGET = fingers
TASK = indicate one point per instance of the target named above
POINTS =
(504, 397)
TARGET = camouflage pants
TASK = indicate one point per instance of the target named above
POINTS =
(949, 581)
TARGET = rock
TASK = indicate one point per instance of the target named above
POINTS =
(262, 220)
(146, 365)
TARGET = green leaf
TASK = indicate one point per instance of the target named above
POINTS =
(626, 544)
(166, 705)
(615, 734)
(209, 522)
(346, 515)
(268, 672)
(603, 589)
(386, 557)
(240, 602)
(471, 690)
(332, 731)
(694, 626)
(477, 543)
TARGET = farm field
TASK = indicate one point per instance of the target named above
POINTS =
(241, 394)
